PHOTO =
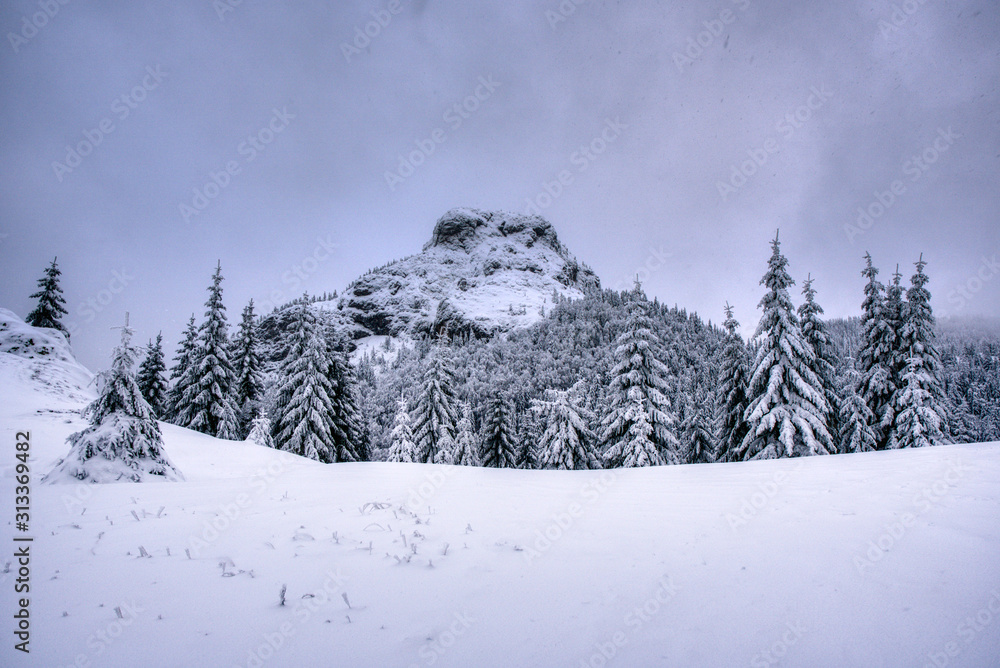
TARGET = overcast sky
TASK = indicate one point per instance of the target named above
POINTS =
(837, 99)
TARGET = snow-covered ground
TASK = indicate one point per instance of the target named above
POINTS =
(881, 559)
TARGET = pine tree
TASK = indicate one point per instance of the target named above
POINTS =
(856, 433)
(179, 411)
(640, 424)
(497, 445)
(696, 430)
(919, 406)
(824, 360)
(347, 433)
(787, 407)
(249, 386)
(123, 441)
(733, 390)
(466, 447)
(303, 422)
(402, 449)
(434, 414)
(51, 304)
(895, 314)
(260, 431)
(567, 442)
(152, 384)
(875, 356)
(210, 395)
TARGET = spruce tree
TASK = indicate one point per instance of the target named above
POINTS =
(123, 441)
(824, 359)
(497, 445)
(179, 412)
(260, 431)
(787, 406)
(639, 427)
(152, 384)
(919, 407)
(51, 303)
(698, 442)
(249, 386)
(303, 423)
(875, 356)
(466, 446)
(733, 389)
(434, 413)
(210, 393)
(402, 448)
(567, 442)
(348, 438)
(856, 433)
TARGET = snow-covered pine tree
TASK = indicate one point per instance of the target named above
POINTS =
(876, 352)
(640, 424)
(497, 445)
(260, 431)
(402, 448)
(919, 406)
(249, 385)
(179, 412)
(348, 437)
(733, 390)
(697, 440)
(434, 413)
(787, 407)
(527, 432)
(152, 384)
(303, 423)
(824, 359)
(895, 313)
(210, 393)
(51, 303)
(856, 433)
(123, 441)
(466, 446)
(567, 442)
(446, 450)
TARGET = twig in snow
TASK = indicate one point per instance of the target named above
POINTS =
(135, 516)
(284, 588)
(343, 595)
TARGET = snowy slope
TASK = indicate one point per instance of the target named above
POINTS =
(480, 272)
(764, 563)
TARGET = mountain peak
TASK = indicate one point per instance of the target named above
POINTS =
(481, 272)
(464, 228)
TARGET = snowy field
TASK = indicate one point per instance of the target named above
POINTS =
(880, 559)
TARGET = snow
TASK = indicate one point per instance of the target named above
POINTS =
(760, 563)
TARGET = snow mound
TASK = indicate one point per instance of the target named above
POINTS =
(481, 272)
(39, 361)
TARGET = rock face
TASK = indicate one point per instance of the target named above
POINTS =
(480, 273)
